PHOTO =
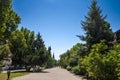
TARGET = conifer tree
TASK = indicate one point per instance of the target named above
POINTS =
(95, 26)
(40, 55)
(39, 43)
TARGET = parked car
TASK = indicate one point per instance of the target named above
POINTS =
(3, 68)
(12, 67)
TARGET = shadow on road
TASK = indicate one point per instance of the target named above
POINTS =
(43, 72)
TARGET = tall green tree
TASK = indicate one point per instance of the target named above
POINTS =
(71, 57)
(18, 45)
(95, 26)
(39, 43)
(51, 59)
(53, 56)
(40, 51)
(29, 50)
(9, 20)
(64, 59)
(49, 50)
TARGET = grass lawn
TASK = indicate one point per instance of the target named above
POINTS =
(3, 76)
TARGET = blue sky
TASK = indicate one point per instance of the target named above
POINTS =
(59, 21)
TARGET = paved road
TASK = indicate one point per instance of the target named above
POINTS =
(50, 74)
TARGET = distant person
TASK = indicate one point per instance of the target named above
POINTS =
(8, 72)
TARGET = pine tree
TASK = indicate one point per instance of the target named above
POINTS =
(40, 54)
(39, 43)
(95, 26)
(53, 56)
(49, 51)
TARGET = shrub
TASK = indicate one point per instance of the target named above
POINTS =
(81, 66)
(102, 64)
(76, 70)
(69, 68)
(82, 71)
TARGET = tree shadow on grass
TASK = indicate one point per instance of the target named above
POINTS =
(30, 72)
(22, 72)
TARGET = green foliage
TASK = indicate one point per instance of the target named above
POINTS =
(27, 59)
(9, 20)
(35, 60)
(102, 66)
(50, 62)
(64, 58)
(73, 61)
(18, 44)
(36, 53)
(116, 58)
(100, 60)
(4, 52)
(76, 70)
(69, 68)
(95, 26)
(29, 51)
(71, 57)
(100, 48)
(81, 67)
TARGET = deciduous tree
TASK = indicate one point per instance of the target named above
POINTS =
(9, 20)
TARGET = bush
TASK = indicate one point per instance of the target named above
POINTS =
(82, 71)
(81, 66)
(102, 64)
(69, 68)
(76, 70)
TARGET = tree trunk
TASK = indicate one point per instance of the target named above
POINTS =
(27, 68)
